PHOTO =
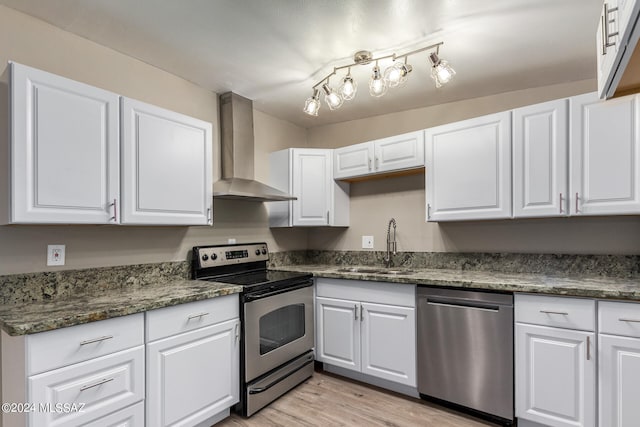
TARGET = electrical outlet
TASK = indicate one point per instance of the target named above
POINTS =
(367, 242)
(231, 241)
(55, 254)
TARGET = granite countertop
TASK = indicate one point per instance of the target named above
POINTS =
(84, 307)
(580, 286)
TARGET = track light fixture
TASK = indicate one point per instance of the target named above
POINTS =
(394, 75)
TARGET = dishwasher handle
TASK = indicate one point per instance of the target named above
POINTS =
(459, 303)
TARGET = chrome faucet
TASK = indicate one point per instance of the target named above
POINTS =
(392, 246)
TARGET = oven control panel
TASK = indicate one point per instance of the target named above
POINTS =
(216, 256)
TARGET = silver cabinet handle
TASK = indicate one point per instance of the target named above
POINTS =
(355, 311)
(629, 320)
(237, 333)
(376, 165)
(115, 210)
(95, 340)
(577, 199)
(606, 35)
(102, 381)
(327, 217)
(561, 203)
(197, 316)
(209, 218)
(562, 313)
(361, 314)
(369, 163)
(588, 348)
(428, 211)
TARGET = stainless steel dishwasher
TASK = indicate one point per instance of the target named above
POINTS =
(465, 350)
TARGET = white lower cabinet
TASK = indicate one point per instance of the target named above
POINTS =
(619, 364)
(367, 327)
(193, 376)
(555, 367)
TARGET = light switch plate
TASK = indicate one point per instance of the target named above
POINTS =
(367, 242)
(55, 254)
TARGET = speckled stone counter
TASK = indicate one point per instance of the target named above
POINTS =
(575, 285)
(39, 302)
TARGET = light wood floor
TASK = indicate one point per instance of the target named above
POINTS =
(327, 400)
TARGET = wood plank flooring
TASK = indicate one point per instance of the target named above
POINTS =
(328, 400)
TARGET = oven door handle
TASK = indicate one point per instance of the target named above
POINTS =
(256, 390)
(260, 295)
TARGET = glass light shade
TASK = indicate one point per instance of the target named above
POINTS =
(348, 88)
(441, 71)
(312, 105)
(397, 74)
(333, 100)
(377, 85)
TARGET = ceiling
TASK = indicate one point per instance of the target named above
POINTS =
(274, 51)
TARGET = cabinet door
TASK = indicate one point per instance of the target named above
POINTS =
(64, 150)
(354, 160)
(605, 156)
(166, 167)
(389, 342)
(469, 169)
(399, 152)
(193, 376)
(311, 185)
(555, 376)
(607, 49)
(540, 144)
(338, 332)
(619, 371)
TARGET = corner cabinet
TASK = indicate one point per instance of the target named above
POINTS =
(78, 156)
(307, 174)
(367, 327)
(166, 167)
(468, 169)
(64, 150)
(392, 154)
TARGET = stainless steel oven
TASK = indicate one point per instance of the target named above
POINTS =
(276, 309)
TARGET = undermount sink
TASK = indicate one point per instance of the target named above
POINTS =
(375, 270)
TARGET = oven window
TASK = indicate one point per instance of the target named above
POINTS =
(281, 326)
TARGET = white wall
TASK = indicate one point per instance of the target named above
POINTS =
(373, 203)
(23, 248)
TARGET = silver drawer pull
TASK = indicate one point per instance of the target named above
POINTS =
(102, 381)
(629, 320)
(197, 316)
(95, 340)
(562, 313)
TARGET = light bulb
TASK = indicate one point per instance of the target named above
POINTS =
(312, 105)
(377, 85)
(333, 100)
(397, 74)
(348, 88)
(441, 71)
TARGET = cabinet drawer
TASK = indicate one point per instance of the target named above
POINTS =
(98, 387)
(66, 346)
(619, 318)
(365, 291)
(168, 321)
(132, 416)
(561, 312)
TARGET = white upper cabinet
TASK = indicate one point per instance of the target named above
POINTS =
(396, 153)
(64, 150)
(306, 173)
(468, 169)
(79, 157)
(616, 48)
(166, 166)
(540, 145)
(605, 155)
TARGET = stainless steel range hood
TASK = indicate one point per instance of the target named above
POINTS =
(237, 146)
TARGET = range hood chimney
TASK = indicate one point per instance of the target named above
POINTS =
(237, 147)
